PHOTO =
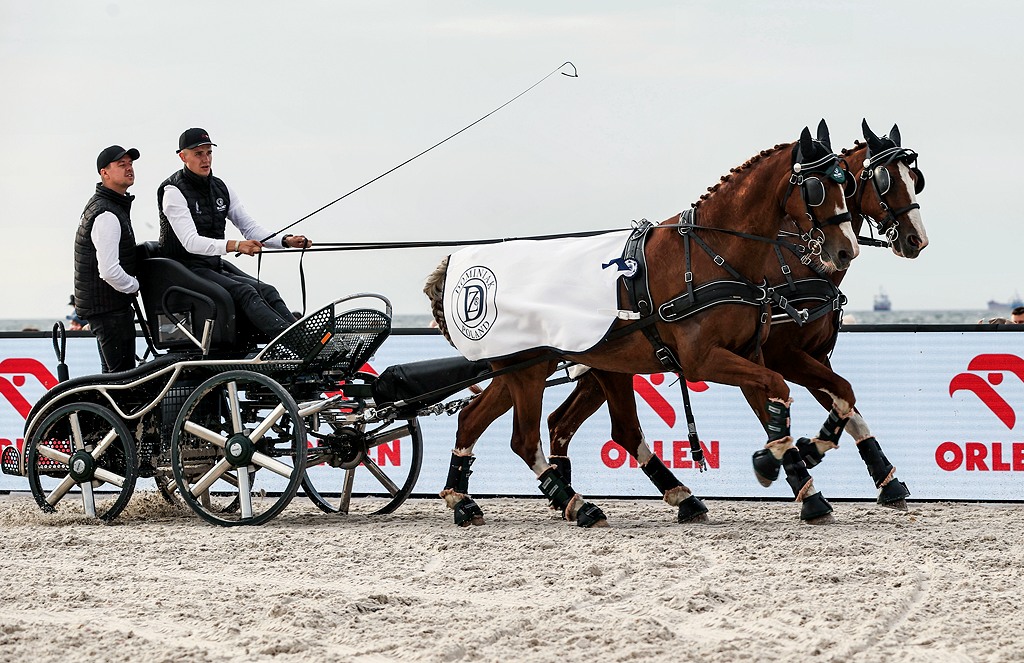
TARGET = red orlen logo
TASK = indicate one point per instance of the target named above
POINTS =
(645, 389)
(995, 365)
(674, 453)
(18, 369)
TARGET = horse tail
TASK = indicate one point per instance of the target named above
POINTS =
(434, 290)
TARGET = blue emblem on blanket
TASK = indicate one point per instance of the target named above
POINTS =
(623, 265)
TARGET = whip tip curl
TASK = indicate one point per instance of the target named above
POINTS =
(573, 74)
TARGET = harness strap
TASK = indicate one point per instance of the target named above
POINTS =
(638, 290)
(765, 293)
(813, 290)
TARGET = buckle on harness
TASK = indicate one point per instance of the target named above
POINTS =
(786, 270)
(688, 277)
(666, 358)
(719, 260)
(619, 313)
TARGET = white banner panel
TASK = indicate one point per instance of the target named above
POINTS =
(946, 406)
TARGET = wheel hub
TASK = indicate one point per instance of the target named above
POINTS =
(238, 450)
(347, 450)
(81, 466)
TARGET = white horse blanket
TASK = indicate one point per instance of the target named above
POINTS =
(500, 299)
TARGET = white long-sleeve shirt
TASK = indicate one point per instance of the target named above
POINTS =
(175, 208)
(106, 237)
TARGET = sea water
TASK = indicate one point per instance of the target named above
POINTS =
(935, 317)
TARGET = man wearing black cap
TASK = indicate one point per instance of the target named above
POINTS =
(194, 208)
(105, 283)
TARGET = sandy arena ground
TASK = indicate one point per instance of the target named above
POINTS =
(942, 582)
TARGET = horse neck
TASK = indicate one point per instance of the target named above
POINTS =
(855, 162)
(750, 201)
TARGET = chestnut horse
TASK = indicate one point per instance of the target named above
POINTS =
(886, 199)
(719, 341)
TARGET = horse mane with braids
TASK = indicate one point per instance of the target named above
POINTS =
(746, 165)
(847, 151)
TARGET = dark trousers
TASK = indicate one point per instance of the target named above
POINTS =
(115, 336)
(259, 302)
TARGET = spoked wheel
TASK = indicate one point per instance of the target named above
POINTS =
(238, 450)
(83, 457)
(168, 488)
(366, 472)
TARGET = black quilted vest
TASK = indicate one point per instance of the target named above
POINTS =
(208, 201)
(93, 295)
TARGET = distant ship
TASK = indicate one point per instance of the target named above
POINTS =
(882, 302)
(993, 305)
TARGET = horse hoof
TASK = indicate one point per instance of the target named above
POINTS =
(816, 510)
(692, 510)
(898, 505)
(468, 513)
(766, 467)
(590, 515)
(827, 519)
(893, 495)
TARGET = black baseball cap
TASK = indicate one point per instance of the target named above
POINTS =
(112, 154)
(194, 138)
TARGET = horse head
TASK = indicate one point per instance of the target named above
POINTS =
(889, 181)
(820, 208)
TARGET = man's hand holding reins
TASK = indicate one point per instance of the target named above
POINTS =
(296, 242)
(249, 247)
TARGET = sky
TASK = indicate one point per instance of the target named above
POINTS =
(309, 100)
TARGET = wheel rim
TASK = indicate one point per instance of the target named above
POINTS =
(81, 459)
(376, 480)
(238, 450)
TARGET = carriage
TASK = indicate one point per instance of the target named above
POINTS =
(228, 428)
(235, 432)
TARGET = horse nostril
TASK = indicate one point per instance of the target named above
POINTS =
(844, 258)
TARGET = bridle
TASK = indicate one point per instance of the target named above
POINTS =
(876, 170)
(810, 178)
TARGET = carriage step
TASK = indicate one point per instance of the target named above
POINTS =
(9, 461)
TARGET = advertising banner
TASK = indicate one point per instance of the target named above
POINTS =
(946, 406)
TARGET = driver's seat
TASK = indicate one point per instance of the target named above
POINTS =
(171, 291)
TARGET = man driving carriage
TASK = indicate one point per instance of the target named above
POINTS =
(194, 206)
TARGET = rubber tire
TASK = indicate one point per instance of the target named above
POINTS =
(317, 496)
(230, 516)
(124, 444)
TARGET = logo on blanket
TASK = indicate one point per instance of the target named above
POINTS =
(473, 302)
(627, 265)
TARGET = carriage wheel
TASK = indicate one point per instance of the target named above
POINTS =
(82, 456)
(168, 487)
(238, 450)
(379, 467)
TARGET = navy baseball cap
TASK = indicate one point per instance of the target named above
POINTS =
(112, 154)
(194, 138)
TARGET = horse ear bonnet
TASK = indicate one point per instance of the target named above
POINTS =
(806, 145)
(874, 144)
(823, 136)
(894, 135)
